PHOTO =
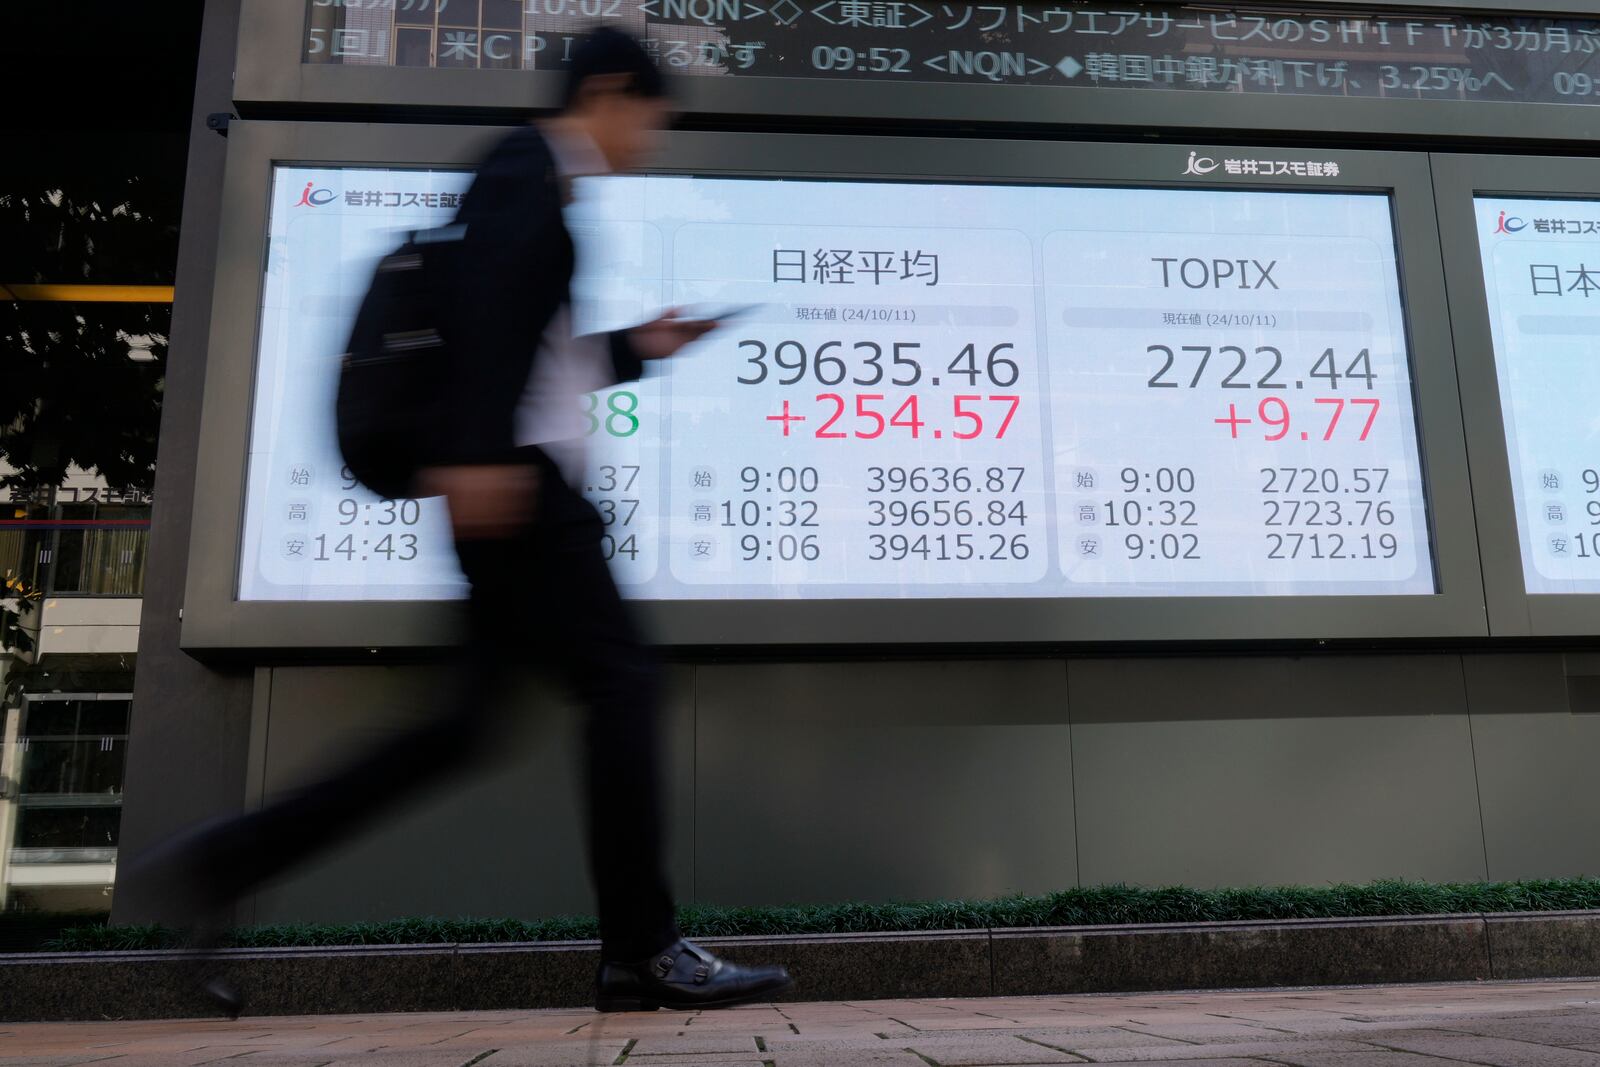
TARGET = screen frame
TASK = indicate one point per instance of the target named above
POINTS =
(214, 620)
(270, 74)
(1458, 181)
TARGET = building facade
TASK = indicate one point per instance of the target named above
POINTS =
(81, 549)
(1246, 313)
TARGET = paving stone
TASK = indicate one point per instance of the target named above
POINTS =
(884, 1027)
(1552, 1030)
(408, 1058)
(1229, 1062)
(1242, 1050)
(546, 1056)
(184, 1057)
(677, 1059)
(1296, 1021)
(1100, 1037)
(831, 1058)
(1548, 1024)
(968, 1051)
(1495, 1051)
(691, 1043)
(1376, 1058)
(1211, 1031)
(840, 1047)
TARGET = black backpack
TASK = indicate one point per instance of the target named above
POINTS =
(386, 412)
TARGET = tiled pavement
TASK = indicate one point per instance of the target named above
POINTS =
(1506, 1024)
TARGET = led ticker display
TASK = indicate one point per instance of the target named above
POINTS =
(1161, 47)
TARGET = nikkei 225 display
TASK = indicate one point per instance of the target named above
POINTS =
(1541, 270)
(943, 390)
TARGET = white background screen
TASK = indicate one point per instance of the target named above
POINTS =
(1541, 266)
(971, 390)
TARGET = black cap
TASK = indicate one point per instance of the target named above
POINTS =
(606, 51)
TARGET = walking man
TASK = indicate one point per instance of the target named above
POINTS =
(530, 546)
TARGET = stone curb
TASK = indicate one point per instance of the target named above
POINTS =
(977, 963)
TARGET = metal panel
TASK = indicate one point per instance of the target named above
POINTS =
(186, 715)
(503, 839)
(271, 78)
(211, 618)
(214, 620)
(818, 782)
(1457, 180)
(1536, 756)
(1270, 771)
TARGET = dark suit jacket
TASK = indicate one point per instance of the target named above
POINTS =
(514, 275)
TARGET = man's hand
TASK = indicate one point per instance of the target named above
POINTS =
(664, 336)
(487, 502)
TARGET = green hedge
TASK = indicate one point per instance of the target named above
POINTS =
(1097, 906)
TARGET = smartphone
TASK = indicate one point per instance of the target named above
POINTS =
(720, 314)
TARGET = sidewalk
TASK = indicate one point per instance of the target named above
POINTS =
(1508, 1024)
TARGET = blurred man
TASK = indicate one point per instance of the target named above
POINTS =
(531, 547)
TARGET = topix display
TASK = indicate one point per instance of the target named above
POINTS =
(1541, 270)
(929, 390)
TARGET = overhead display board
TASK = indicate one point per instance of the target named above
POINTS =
(938, 390)
(1476, 70)
(1130, 393)
(1150, 46)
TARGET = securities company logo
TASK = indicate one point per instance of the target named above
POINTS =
(1509, 224)
(314, 197)
(1199, 164)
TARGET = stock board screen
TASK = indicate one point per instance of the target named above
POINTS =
(1541, 267)
(934, 390)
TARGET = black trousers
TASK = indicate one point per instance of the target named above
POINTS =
(545, 598)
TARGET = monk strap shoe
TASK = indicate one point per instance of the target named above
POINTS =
(684, 975)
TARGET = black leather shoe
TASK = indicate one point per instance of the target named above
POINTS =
(222, 995)
(684, 975)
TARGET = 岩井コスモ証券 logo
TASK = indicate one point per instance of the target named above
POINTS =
(1199, 166)
(313, 197)
(1509, 224)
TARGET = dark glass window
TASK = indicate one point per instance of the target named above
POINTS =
(73, 747)
(69, 718)
(82, 766)
(49, 827)
(51, 718)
